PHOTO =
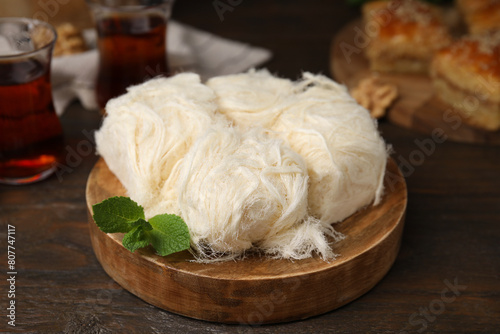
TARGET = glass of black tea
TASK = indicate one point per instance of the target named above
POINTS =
(31, 139)
(131, 43)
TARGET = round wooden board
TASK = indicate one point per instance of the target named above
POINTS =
(256, 290)
(416, 108)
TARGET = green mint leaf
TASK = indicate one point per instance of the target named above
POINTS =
(141, 222)
(167, 233)
(170, 234)
(136, 238)
(117, 214)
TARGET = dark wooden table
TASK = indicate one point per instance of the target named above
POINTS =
(446, 278)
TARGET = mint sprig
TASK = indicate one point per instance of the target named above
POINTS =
(167, 233)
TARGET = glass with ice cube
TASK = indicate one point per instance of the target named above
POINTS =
(31, 140)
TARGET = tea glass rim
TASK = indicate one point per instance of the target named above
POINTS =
(126, 8)
(29, 22)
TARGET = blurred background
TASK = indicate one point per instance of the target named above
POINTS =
(52, 11)
(313, 37)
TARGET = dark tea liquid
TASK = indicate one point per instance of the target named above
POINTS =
(132, 49)
(30, 132)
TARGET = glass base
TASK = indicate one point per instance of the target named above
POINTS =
(28, 179)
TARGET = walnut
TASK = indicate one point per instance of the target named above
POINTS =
(69, 41)
(375, 95)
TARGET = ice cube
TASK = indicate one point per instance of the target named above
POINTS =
(6, 48)
(16, 39)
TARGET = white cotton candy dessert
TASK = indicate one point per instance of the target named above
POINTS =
(251, 99)
(241, 190)
(249, 161)
(339, 141)
(345, 155)
(148, 131)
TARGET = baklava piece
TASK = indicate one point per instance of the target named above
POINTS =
(403, 35)
(466, 76)
(480, 15)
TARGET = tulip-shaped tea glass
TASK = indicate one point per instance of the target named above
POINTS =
(131, 43)
(31, 140)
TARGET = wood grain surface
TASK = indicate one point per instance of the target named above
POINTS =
(256, 290)
(416, 107)
(450, 237)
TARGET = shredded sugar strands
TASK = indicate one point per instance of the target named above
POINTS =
(251, 162)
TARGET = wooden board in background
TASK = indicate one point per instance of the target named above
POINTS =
(416, 108)
(256, 290)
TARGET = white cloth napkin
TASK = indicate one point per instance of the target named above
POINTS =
(189, 49)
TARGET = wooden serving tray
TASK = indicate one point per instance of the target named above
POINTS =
(256, 290)
(416, 108)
